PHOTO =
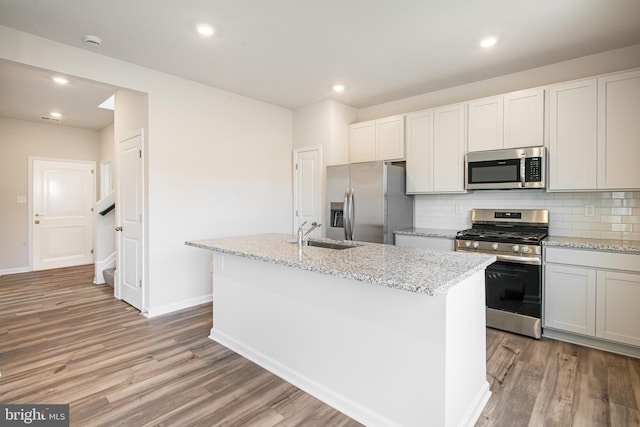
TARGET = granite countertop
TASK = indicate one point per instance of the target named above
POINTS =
(422, 271)
(443, 233)
(613, 245)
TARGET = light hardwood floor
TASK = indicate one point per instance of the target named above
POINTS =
(65, 340)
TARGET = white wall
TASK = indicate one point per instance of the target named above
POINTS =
(218, 163)
(105, 154)
(324, 124)
(20, 139)
(606, 62)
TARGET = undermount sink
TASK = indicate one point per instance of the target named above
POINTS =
(334, 244)
(331, 245)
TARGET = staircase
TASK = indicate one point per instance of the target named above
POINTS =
(109, 276)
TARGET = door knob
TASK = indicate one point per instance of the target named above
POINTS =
(118, 228)
(37, 221)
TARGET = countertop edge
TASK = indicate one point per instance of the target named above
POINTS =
(442, 233)
(375, 280)
(609, 245)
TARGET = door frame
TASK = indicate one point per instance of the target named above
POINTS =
(296, 184)
(31, 160)
(143, 238)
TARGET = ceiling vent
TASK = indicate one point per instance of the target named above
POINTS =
(49, 119)
(94, 41)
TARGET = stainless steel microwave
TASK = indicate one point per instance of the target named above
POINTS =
(506, 169)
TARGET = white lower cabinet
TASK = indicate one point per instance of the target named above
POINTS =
(594, 294)
(617, 308)
(570, 299)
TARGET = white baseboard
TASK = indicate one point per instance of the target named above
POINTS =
(14, 270)
(600, 344)
(180, 305)
(477, 406)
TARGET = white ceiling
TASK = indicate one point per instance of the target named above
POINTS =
(291, 52)
(27, 93)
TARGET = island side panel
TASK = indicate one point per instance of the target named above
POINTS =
(375, 353)
(467, 389)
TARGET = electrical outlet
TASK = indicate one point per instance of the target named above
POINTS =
(21, 200)
(589, 210)
(458, 209)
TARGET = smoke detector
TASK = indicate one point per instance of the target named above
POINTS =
(94, 41)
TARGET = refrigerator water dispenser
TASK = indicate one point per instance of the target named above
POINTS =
(337, 210)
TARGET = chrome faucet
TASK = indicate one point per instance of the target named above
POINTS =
(302, 235)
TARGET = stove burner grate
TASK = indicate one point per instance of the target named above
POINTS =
(501, 235)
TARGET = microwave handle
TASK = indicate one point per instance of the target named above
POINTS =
(523, 170)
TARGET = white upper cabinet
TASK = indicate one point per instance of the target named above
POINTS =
(593, 133)
(390, 138)
(381, 139)
(486, 124)
(524, 118)
(419, 152)
(619, 131)
(362, 141)
(449, 148)
(512, 120)
(436, 145)
(573, 117)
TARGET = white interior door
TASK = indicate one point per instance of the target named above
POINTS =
(129, 221)
(307, 164)
(63, 196)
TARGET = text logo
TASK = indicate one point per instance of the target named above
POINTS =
(34, 415)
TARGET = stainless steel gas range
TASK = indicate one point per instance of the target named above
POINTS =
(514, 282)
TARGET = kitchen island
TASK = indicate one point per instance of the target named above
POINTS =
(390, 336)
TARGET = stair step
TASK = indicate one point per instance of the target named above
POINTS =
(109, 276)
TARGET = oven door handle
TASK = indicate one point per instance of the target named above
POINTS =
(519, 259)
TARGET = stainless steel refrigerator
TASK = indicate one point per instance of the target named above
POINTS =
(367, 202)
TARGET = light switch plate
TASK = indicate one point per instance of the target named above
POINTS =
(21, 199)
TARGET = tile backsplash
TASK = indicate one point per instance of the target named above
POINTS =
(606, 215)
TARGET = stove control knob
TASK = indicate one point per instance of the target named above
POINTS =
(494, 246)
(467, 244)
(515, 248)
(524, 249)
(475, 245)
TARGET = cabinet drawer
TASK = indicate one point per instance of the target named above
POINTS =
(592, 258)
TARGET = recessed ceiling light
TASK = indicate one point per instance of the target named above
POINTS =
(55, 114)
(60, 80)
(488, 41)
(206, 30)
(339, 88)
